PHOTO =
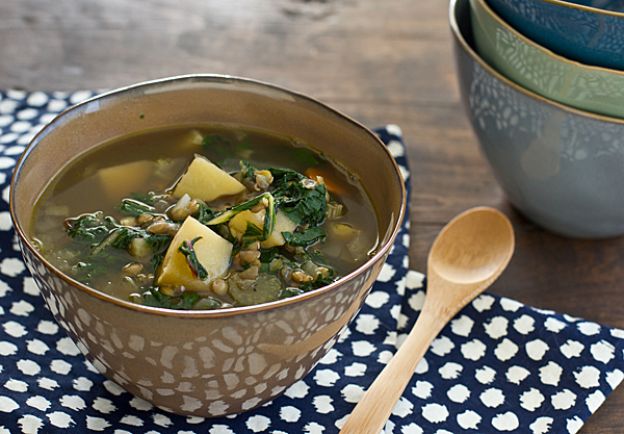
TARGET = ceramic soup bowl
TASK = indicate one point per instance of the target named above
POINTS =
(589, 31)
(591, 88)
(561, 167)
(206, 363)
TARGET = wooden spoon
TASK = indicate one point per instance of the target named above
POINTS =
(470, 252)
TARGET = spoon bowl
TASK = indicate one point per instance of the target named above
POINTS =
(470, 252)
(474, 247)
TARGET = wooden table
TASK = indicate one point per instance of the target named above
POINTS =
(381, 62)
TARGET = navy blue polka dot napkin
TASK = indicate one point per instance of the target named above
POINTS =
(499, 366)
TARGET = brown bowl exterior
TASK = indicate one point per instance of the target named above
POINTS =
(206, 363)
(208, 366)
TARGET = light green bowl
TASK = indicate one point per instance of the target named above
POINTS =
(590, 88)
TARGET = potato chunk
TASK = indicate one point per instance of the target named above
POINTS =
(213, 252)
(238, 224)
(204, 180)
(282, 224)
(121, 180)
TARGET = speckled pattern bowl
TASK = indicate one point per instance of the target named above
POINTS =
(589, 31)
(206, 363)
(595, 89)
(563, 168)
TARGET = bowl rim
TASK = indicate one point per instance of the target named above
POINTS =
(583, 67)
(460, 40)
(217, 313)
(585, 8)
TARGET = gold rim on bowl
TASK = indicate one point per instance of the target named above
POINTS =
(217, 313)
(459, 38)
(585, 8)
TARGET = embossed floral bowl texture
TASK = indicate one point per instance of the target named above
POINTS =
(561, 167)
(589, 31)
(206, 363)
(591, 88)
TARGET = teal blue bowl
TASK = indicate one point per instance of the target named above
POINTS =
(588, 31)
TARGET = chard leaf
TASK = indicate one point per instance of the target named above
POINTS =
(247, 170)
(267, 255)
(188, 250)
(224, 147)
(148, 198)
(158, 242)
(269, 217)
(135, 207)
(228, 214)
(305, 238)
(121, 236)
(309, 209)
(290, 292)
(205, 213)
(156, 298)
(252, 233)
(91, 227)
(319, 282)
(217, 144)
(293, 195)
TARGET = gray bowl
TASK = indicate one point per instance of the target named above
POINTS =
(561, 167)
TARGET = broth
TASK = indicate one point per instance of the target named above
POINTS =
(111, 217)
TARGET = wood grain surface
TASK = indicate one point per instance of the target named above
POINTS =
(380, 62)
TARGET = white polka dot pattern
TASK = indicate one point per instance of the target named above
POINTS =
(498, 367)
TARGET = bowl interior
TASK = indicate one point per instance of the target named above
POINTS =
(608, 5)
(209, 99)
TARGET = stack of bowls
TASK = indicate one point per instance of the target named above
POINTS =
(543, 85)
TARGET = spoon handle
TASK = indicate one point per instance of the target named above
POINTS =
(372, 411)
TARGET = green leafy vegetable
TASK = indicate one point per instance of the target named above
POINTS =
(252, 233)
(224, 147)
(93, 267)
(106, 242)
(205, 213)
(188, 250)
(121, 236)
(303, 200)
(269, 217)
(212, 141)
(305, 157)
(267, 255)
(157, 260)
(91, 227)
(158, 242)
(290, 292)
(156, 298)
(135, 208)
(318, 283)
(305, 238)
(148, 198)
(247, 171)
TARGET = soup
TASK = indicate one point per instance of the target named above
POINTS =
(204, 218)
